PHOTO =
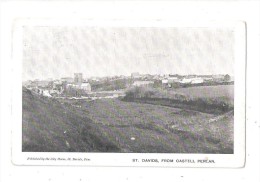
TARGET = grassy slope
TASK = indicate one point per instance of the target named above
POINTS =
(159, 128)
(109, 125)
(50, 126)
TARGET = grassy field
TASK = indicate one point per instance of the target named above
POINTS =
(113, 125)
(207, 99)
(218, 91)
(208, 91)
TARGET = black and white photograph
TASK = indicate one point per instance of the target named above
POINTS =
(129, 91)
(94, 89)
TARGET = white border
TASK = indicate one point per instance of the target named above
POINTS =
(125, 159)
(247, 11)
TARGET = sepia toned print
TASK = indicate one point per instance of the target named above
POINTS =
(128, 90)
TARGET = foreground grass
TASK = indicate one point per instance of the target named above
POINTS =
(49, 126)
(113, 125)
(158, 128)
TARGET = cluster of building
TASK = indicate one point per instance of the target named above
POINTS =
(76, 84)
(51, 87)
(170, 80)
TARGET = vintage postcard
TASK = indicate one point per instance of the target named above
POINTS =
(129, 93)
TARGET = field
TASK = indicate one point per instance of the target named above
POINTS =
(115, 125)
(209, 91)
(202, 99)
(219, 91)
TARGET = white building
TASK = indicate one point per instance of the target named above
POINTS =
(165, 81)
(173, 78)
(208, 78)
(84, 86)
(142, 83)
(186, 80)
(197, 80)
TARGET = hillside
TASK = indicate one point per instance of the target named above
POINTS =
(112, 125)
(49, 126)
(218, 130)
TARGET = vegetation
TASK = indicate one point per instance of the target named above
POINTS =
(109, 85)
(49, 126)
(219, 91)
(159, 129)
(213, 105)
(73, 92)
(113, 125)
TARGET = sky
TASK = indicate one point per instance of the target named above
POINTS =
(56, 52)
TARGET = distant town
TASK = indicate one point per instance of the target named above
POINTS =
(78, 86)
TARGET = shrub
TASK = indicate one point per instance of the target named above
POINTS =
(162, 97)
(141, 92)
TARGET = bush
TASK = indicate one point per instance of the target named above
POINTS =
(141, 92)
(72, 92)
(162, 97)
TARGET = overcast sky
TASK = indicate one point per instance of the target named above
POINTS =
(55, 52)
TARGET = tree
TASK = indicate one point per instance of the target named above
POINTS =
(227, 78)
